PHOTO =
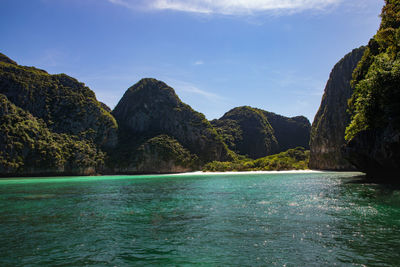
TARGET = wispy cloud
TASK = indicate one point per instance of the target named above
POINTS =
(189, 88)
(228, 7)
(198, 62)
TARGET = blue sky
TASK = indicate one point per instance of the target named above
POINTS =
(270, 54)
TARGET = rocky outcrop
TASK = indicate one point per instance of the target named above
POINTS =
(373, 134)
(5, 59)
(331, 120)
(151, 108)
(247, 131)
(258, 133)
(65, 105)
(29, 148)
(290, 132)
(376, 153)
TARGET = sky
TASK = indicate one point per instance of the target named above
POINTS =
(217, 54)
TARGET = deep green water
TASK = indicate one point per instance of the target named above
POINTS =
(210, 220)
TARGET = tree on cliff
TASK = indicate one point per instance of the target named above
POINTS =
(375, 103)
(373, 135)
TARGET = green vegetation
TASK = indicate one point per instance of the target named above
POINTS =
(292, 159)
(141, 154)
(375, 103)
(257, 133)
(289, 132)
(27, 146)
(247, 131)
(151, 108)
(4, 58)
(53, 124)
(62, 102)
(163, 148)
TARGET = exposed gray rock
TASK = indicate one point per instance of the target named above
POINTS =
(331, 120)
(290, 132)
(376, 153)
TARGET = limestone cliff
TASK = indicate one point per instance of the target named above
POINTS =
(151, 108)
(290, 132)
(29, 148)
(331, 120)
(65, 105)
(373, 134)
(247, 131)
(258, 133)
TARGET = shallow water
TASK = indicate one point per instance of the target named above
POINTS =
(205, 220)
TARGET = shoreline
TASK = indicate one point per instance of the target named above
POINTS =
(194, 173)
(262, 172)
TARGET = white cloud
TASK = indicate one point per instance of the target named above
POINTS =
(198, 62)
(185, 87)
(228, 7)
(189, 88)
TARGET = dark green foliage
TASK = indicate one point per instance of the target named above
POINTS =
(230, 131)
(151, 108)
(376, 99)
(168, 148)
(373, 144)
(65, 105)
(257, 133)
(289, 132)
(28, 147)
(105, 107)
(4, 58)
(247, 131)
(164, 149)
(53, 124)
(159, 154)
(293, 159)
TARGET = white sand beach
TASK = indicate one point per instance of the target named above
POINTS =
(250, 172)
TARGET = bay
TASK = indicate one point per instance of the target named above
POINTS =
(281, 219)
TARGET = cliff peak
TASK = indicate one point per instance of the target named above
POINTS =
(65, 104)
(4, 58)
(151, 107)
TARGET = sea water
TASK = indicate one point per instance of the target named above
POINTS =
(282, 219)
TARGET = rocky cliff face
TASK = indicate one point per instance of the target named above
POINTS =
(331, 120)
(376, 153)
(373, 134)
(258, 133)
(151, 108)
(65, 105)
(290, 132)
(247, 131)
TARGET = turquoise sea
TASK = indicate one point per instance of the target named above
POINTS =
(280, 219)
